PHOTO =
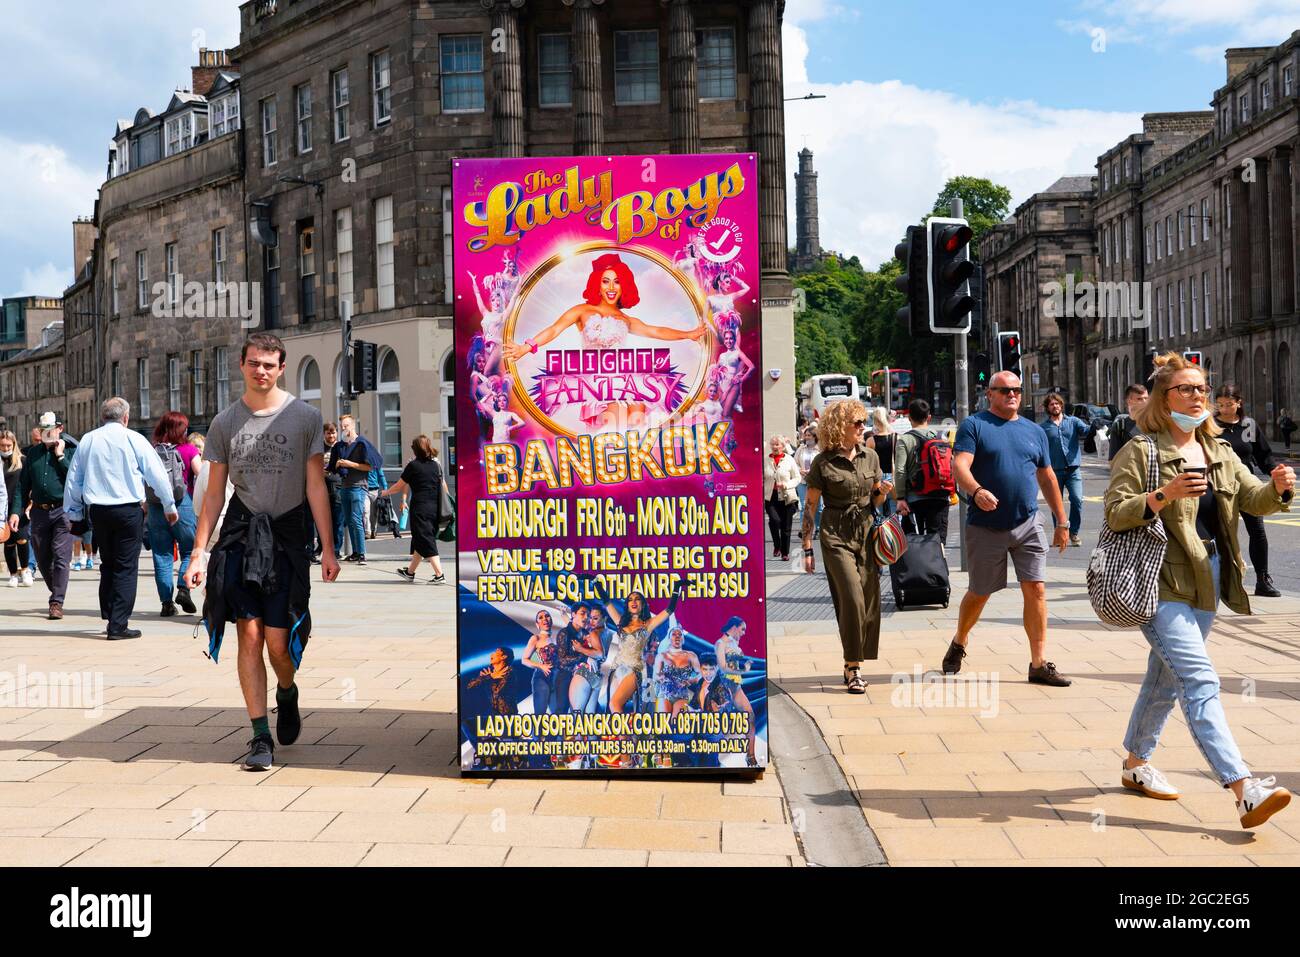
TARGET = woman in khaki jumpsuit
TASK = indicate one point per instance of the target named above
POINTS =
(848, 474)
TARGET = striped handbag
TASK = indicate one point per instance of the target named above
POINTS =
(888, 541)
(1124, 572)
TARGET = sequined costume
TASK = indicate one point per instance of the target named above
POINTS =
(675, 680)
(735, 659)
(628, 655)
(501, 703)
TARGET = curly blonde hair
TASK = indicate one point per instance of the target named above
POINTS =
(1155, 416)
(835, 427)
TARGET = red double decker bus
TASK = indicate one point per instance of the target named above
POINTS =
(891, 388)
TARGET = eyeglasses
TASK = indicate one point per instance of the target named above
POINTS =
(1188, 391)
(1008, 389)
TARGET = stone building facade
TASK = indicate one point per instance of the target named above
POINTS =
(373, 100)
(1199, 211)
(22, 319)
(31, 383)
(1047, 238)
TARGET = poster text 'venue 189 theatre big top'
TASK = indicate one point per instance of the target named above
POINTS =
(609, 463)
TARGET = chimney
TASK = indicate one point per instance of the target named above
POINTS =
(1241, 59)
(83, 242)
(211, 62)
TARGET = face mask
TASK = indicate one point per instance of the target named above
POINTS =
(1188, 423)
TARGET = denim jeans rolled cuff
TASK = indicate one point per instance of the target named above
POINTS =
(1179, 670)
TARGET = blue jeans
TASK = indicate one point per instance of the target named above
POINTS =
(161, 538)
(1179, 669)
(1071, 480)
(355, 503)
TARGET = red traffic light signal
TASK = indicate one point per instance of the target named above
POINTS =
(1192, 358)
(950, 271)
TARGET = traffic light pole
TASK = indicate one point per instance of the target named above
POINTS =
(963, 408)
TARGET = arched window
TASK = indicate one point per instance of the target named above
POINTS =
(389, 409)
(309, 383)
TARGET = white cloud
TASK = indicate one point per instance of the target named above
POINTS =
(885, 150)
(45, 280)
(1224, 23)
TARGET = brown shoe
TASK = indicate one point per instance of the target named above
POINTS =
(56, 611)
(1048, 675)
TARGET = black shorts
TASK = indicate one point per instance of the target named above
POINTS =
(249, 601)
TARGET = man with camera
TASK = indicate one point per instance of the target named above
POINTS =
(45, 469)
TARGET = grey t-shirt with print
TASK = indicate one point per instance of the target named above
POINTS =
(267, 452)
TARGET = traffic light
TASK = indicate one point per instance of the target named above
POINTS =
(981, 371)
(912, 283)
(364, 367)
(949, 273)
(1192, 358)
(1009, 352)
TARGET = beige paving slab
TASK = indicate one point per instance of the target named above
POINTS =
(287, 853)
(100, 772)
(482, 800)
(41, 851)
(329, 798)
(677, 807)
(574, 857)
(948, 844)
(230, 797)
(30, 793)
(748, 837)
(629, 804)
(393, 827)
(437, 855)
(522, 830)
(259, 826)
(115, 852)
(1042, 843)
(700, 859)
(144, 823)
(965, 811)
(34, 821)
(668, 835)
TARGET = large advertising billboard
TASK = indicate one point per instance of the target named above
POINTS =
(609, 463)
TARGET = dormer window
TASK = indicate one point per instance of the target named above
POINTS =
(183, 132)
(1264, 96)
(1243, 107)
(225, 114)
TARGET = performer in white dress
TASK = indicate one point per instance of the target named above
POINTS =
(494, 321)
(731, 370)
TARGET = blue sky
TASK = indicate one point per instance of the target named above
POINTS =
(1030, 93)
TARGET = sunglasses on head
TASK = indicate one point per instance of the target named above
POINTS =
(1008, 389)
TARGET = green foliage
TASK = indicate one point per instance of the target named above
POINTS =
(851, 322)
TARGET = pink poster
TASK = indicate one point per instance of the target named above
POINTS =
(609, 463)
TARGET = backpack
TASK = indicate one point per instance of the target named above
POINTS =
(175, 469)
(933, 466)
(1124, 571)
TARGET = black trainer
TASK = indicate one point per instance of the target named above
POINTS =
(1265, 588)
(1048, 675)
(953, 658)
(185, 601)
(288, 722)
(168, 610)
(261, 750)
(407, 574)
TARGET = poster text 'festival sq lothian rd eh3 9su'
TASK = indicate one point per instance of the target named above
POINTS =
(609, 463)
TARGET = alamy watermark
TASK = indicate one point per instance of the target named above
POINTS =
(178, 299)
(922, 689)
(1098, 300)
(53, 689)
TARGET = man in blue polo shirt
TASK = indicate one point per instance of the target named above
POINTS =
(1065, 437)
(1000, 463)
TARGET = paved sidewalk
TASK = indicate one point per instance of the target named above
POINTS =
(372, 781)
(1031, 776)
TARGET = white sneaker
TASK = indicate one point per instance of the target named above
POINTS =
(1260, 800)
(13, 581)
(1150, 782)
(27, 579)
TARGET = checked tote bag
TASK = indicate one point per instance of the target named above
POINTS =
(1124, 572)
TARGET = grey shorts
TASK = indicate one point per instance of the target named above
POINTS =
(987, 550)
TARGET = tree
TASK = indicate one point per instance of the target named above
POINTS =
(985, 203)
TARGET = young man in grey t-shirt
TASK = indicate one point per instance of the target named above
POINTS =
(270, 446)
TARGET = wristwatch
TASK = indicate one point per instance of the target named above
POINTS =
(1160, 496)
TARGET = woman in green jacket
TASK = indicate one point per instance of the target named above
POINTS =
(1202, 490)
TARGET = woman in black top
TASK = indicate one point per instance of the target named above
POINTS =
(422, 477)
(1247, 440)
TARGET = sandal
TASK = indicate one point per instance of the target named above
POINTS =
(857, 684)
(848, 674)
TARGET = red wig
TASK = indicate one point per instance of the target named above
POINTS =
(172, 428)
(629, 296)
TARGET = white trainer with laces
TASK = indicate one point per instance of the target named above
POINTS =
(13, 581)
(27, 579)
(1260, 800)
(1150, 782)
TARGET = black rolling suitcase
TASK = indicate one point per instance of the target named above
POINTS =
(920, 576)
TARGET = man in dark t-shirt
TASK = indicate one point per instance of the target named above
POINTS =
(1001, 461)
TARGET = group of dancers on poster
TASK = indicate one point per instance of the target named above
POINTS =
(603, 323)
(619, 658)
